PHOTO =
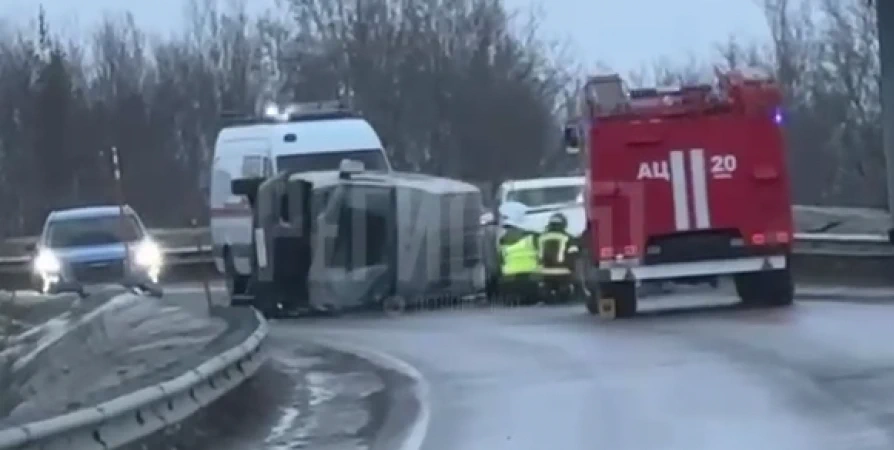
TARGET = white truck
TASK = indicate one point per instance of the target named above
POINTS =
(304, 137)
(544, 197)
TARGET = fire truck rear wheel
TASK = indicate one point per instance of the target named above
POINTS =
(780, 287)
(747, 288)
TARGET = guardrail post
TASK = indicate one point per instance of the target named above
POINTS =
(119, 192)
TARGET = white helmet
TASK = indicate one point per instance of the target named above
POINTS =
(512, 214)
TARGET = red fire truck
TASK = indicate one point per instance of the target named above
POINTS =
(682, 184)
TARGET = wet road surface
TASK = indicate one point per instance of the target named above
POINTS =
(814, 377)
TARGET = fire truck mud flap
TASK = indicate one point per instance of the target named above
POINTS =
(697, 268)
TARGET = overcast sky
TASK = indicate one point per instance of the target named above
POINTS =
(625, 34)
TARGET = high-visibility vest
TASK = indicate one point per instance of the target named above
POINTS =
(520, 257)
(562, 245)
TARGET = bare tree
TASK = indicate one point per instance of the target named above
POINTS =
(445, 81)
(824, 54)
(464, 88)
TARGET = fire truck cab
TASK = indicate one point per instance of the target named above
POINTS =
(684, 183)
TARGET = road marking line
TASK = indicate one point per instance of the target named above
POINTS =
(415, 436)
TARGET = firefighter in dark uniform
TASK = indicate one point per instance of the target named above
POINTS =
(558, 252)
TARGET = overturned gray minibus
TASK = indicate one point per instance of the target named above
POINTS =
(343, 239)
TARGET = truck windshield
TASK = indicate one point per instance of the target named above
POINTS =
(372, 159)
(89, 231)
(534, 197)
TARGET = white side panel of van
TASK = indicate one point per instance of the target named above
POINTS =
(231, 214)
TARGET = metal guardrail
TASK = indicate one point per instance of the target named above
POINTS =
(838, 237)
(843, 245)
(132, 417)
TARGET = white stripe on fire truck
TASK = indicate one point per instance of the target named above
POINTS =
(700, 189)
(678, 184)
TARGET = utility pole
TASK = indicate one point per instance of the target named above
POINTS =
(885, 18)
(119, 192)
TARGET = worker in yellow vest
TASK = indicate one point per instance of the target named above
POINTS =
(519, 262)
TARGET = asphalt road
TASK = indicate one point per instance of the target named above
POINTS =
(814, 377)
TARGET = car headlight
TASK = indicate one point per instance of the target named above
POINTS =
(147, 254)
(47, 262)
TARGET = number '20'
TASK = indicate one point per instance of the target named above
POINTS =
(724, 163)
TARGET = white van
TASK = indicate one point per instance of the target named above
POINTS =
(546, 196)
(309, 141)
(406, 237)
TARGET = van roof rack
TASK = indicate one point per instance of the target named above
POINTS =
(293, 112)
(320, 110)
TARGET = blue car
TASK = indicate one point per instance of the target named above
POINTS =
(99, 245)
